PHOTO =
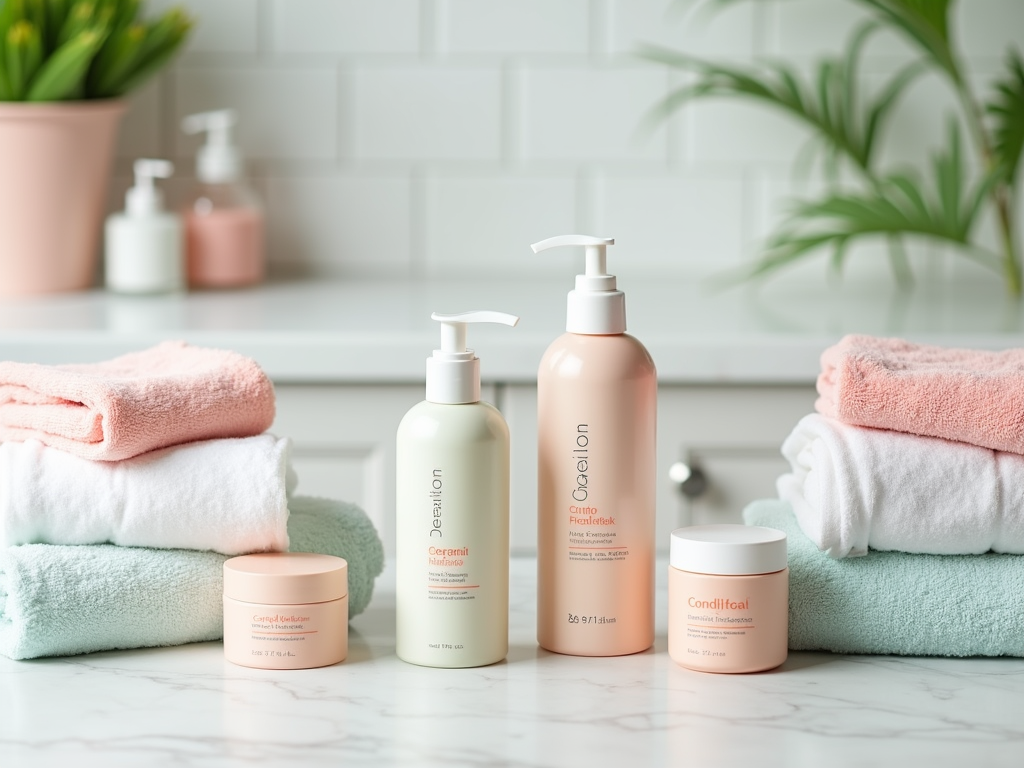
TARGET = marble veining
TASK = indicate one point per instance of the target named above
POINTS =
(187, 706)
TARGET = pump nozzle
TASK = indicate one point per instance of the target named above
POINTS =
(595, 251)
(218, 160)
(453, 328)
(596, 307)
(145, 197)
(453, 372)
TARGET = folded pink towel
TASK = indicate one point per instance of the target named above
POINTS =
(968, 395)
(170, 394)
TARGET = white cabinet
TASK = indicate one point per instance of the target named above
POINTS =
(519, 405)
(733, 436)
(344, 443)
(344, 447)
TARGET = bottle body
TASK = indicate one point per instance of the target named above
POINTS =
(224, 230)
(144, 253)
(453, 535)
(596, 420)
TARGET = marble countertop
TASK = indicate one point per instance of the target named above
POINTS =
(380, 331)
(187, 706)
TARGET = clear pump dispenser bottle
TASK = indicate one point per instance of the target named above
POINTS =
(452, 512)
(596, 410)
(224, 222)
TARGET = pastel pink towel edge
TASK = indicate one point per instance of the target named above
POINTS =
(169, 394)
(968, 395)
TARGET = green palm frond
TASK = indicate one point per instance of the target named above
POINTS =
(925, 23)
(1007, 112)
(892, 209)
(846, 124)
(829, 103)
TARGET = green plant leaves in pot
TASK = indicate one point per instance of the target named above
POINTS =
(64, 50)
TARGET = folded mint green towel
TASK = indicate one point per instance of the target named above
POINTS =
(62, 600)
(897, 603)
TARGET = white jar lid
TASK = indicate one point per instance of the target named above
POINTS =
(728, 550)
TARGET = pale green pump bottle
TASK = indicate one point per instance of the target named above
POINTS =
(453, 512)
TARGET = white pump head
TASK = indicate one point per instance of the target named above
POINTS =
(145, 198)
(595, 307)
(453, 372)
(218, 161)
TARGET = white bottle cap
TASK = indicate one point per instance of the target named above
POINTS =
(218, 161)
(728, 550)
(595, 307)
(453, 372)
(145, 198)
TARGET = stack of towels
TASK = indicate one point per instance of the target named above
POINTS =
(910, 480)
(125, 485)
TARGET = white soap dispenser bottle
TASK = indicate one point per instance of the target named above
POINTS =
(596, 421)
(452, 512)
(144, 250)
(224, 222)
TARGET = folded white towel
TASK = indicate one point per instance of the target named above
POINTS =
(227, 495)
(854, 487)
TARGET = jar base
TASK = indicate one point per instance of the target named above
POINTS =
(283, 666)
(744, 671)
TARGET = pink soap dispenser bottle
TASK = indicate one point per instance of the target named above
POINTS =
(224, 229)
(596, 414)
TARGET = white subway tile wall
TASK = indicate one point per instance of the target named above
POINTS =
(438, 137)
(340, 27)
(427, 112)
(481, 225)
(515, 27)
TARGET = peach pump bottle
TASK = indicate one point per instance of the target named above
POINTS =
(452, 513)
(224, 229)
(596, 409)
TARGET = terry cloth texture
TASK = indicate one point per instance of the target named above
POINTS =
(897, 603)
(60, 600)
(227, 495)
(855, 488)
(968, 395)
(172, 393)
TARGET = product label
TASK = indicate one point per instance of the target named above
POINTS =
(593, 534)
(285, 636)
(280, 633)
(448, 574)
(714, 621)
(448, 567)
(434, 495)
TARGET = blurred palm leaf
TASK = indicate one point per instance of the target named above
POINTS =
(829, 104)
(848, 124)
(892, 208)
(1007, 111)
(925, 23)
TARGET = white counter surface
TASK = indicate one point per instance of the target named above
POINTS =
(188, 707)
(359, 331)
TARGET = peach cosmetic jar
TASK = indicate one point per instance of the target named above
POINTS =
(285, 610)
(728, 598)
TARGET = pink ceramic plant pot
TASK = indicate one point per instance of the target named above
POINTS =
(55, 163)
